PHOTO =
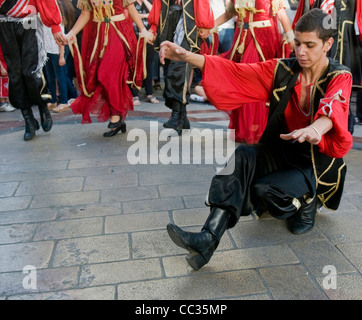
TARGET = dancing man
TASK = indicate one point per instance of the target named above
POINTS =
(297, 164)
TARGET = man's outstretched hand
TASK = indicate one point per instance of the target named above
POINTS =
(172, 51)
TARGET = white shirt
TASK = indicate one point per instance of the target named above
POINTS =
(49, 42)
(218, 8)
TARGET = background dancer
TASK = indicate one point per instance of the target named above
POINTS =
(22, 43)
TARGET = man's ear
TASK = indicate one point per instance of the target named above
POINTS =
(328, 44)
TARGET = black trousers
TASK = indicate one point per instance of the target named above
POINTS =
(264, 178)
(178, 73)
(20, 49)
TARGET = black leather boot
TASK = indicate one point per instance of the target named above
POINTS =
(185, 120)
(304, 218)
(45, 118)
(31, 124)
(201, 245)
(175, 121)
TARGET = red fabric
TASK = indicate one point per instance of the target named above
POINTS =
(359, 19)
(2, 60)
(244, 83)
(107, 76)
(204, 17)
(249, 121)
(299, 12)
(48, 10)
(4, 87)
(213, 47)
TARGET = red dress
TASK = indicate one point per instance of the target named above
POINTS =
(108, 62)
(256, 38)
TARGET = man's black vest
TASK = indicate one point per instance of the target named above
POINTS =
(189, 22)
(329, 172)
(345, 46)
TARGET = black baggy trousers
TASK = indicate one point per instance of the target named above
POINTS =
(20, 49)
(264, 177)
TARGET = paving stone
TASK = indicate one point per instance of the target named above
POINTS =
(150, 244)
(190, 217)
(262, 233)
(342, 226)
(129, 194)
(28, 216)
(291, 282)
(235, 260)
(318, 254)
(7, 189)
(64, 229)
(186, 188)
(16, 233)
(65, 199)
(348, 287)
(15, 257)
(353, 252)
(111, 181)
(206, 286)
(14, 203)
(119, 272)
(33, 166)
(136, 222)
(152, 205)
(95, 293)
(46, 186)
(88, 250)
(92, 210)
(15, 283)
(180, 173)
(98, 162)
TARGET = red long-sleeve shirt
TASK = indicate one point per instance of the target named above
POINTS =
(204, 17)
(48, 10)
(244, 83)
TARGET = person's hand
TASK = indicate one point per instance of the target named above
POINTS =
(62, 61)
(291, 45)
(172, 51)
(60, 38)
(309, 134)
(70, 37)
(3, 71)
(203, 33)
(148, 35)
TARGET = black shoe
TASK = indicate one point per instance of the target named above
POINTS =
(304, 218)
(45, 118)
(201, 245)
(31, 125)
(116, 127)
(175, 121)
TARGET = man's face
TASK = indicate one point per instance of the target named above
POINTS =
(309, 49)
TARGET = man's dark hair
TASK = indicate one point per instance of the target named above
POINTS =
(316, 20)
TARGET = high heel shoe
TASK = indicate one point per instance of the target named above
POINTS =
(113, 125)
(116, 127)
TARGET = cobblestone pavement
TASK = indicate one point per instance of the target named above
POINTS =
(75, 213)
